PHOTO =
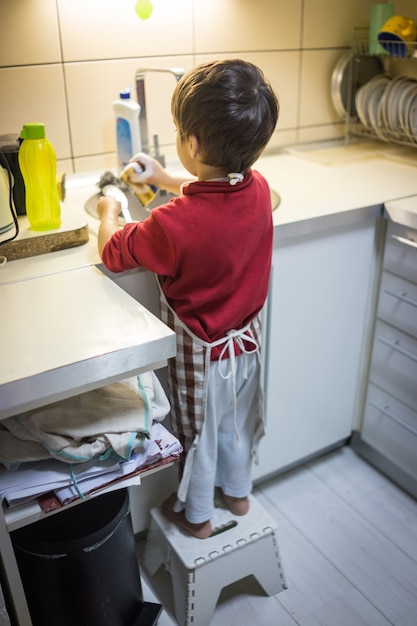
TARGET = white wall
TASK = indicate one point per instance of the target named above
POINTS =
(63, 63)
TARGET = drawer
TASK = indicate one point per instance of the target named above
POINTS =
(400, 255)
(398, 303)
(394, 363)
(391, 428)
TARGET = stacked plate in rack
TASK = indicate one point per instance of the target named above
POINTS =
(388, 107)
(367, 101)
(349, 75)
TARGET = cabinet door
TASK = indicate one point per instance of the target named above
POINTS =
(398, 303)
(401, 251)
(390, 427)
(317, 339)
(394, 363)
(140, 284)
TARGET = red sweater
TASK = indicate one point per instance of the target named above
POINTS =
(212, 246)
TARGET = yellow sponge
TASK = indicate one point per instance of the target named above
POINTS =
(145, 193)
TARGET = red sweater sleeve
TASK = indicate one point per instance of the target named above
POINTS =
(141, 244)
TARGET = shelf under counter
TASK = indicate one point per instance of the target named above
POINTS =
(69, 332)
(31, 511)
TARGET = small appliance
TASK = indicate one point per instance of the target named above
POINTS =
(8, 217)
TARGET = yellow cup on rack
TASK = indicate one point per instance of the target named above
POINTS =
(398, 35)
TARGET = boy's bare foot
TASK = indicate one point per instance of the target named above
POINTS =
(238, 506)
(200, 531)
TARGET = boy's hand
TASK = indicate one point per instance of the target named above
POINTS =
(143, 169)
(108, 210)
(108, 207)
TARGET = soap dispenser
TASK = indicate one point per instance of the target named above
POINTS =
(128, 140)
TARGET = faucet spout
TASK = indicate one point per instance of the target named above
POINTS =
(177, 72)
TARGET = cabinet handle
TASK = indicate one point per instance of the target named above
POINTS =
(395, 345)
(394, 418)
(407, 242)
(401, 296)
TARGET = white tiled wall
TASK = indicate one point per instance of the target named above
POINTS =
(64, 62)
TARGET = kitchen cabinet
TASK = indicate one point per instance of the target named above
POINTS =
(318, 328)
(76, 331)
(388, 436)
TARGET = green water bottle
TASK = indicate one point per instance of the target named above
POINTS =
(37, 162)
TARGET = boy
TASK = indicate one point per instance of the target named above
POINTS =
(211, 249)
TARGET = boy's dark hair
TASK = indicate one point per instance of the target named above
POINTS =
(230, 107)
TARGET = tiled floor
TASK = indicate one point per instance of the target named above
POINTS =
(348, 542)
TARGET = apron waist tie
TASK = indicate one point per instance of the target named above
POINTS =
(238, 336)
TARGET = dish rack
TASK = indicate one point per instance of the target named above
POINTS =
(383, 106)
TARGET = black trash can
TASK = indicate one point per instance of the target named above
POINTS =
(79, 567)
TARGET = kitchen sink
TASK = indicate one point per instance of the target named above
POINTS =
(140, 213)
(275, 199)
(137, 211)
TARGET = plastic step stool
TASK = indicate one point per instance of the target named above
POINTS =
(200, 568)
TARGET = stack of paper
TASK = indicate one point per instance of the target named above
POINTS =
(68, 482)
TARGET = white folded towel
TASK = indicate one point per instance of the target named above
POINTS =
(111, 420)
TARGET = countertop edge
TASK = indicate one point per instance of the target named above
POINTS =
(322, 223)
(403, 211)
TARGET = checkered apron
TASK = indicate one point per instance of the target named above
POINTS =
(189, 380)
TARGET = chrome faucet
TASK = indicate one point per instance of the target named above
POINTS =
(177, 72)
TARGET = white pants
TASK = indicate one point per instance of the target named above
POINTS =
(222, 459)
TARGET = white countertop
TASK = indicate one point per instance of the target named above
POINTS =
(70, 332)
(67, 328)
(79, 189)
(316, 192)
(316, 195)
